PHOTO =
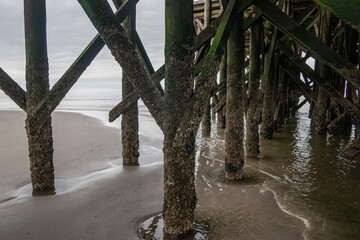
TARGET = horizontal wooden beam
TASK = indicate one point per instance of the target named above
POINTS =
(319, 50)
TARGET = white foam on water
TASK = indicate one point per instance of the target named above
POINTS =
(283, 208)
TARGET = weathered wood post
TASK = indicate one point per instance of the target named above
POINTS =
(325, 72)
(252, 124)
(130, 120)
(206, 121)
(234, 132)
(179, 167)
(40, 141)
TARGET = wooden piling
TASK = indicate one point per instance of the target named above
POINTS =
(234, 132)
(179, 166)
(130, 120)
(40, 141)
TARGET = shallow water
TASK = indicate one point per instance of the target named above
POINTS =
(317, 189)
(308, 177)
(313, 180)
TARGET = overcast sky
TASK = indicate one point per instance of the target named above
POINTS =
(68, 32)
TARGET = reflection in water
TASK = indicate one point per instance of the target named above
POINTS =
(316, 182)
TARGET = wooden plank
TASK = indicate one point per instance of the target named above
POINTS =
(319, 50)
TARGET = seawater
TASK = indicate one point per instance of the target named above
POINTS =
(312, 180)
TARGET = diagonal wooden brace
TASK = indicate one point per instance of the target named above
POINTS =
(124, 51)
(12, 89)
(70, 77)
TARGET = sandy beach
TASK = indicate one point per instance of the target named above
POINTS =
(97, 198)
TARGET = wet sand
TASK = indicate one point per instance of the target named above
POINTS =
(97, 198)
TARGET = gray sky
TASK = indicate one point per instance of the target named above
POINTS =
(68, 32)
